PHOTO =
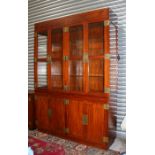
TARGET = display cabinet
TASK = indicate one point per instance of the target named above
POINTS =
(72, 77)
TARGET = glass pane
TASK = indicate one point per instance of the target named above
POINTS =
(95, 41)
(57, 44)
(96, 78)
(76, 75)
(76, 83)
(42, 74)
(42, 45)
(76, 40)
(56, 71)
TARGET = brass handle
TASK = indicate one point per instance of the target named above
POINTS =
(49, 113)
(85, 58)
(66, 101)
(65, 29)
(85, 119)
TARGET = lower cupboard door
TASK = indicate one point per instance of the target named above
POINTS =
(56, 114)
(96, 123)
(76, 110)
(41, 105)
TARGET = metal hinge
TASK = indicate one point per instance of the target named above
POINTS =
(106, 90)
(49, 59)
(85, 57)
(85, 119)
(66, 101)
(65, 29)
(35, 59)
(66, 87)
(107, 56)
(106, 23)
(105, 140)
(65, 57)
(66, 130)
(106, 106)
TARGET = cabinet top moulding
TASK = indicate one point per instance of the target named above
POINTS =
(88, 17)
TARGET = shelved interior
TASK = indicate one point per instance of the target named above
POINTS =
(56, 56)
(75, 58)
(96, 50)
(76, 52)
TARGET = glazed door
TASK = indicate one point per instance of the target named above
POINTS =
(41, 60)
(86, 51)
(75, 58)
(96, 57)
(41, 105)
(56, 115)
(56, 52)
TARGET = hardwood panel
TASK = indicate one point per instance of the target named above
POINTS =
(65, 53)
(92, 16)
(75, 110)
(107, 61)
(96, 123)
(57, 116)
(31, 111)
(41, 104)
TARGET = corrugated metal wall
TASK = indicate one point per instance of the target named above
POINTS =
(41, 10)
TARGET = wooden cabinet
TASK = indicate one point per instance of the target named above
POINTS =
(72, 84)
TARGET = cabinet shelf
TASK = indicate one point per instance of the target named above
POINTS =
(77, 75)
(96, 76)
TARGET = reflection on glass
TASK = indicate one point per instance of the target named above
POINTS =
(42, 45)
(42, 74)
(76, 40)
(95, 41)
(56, 73)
